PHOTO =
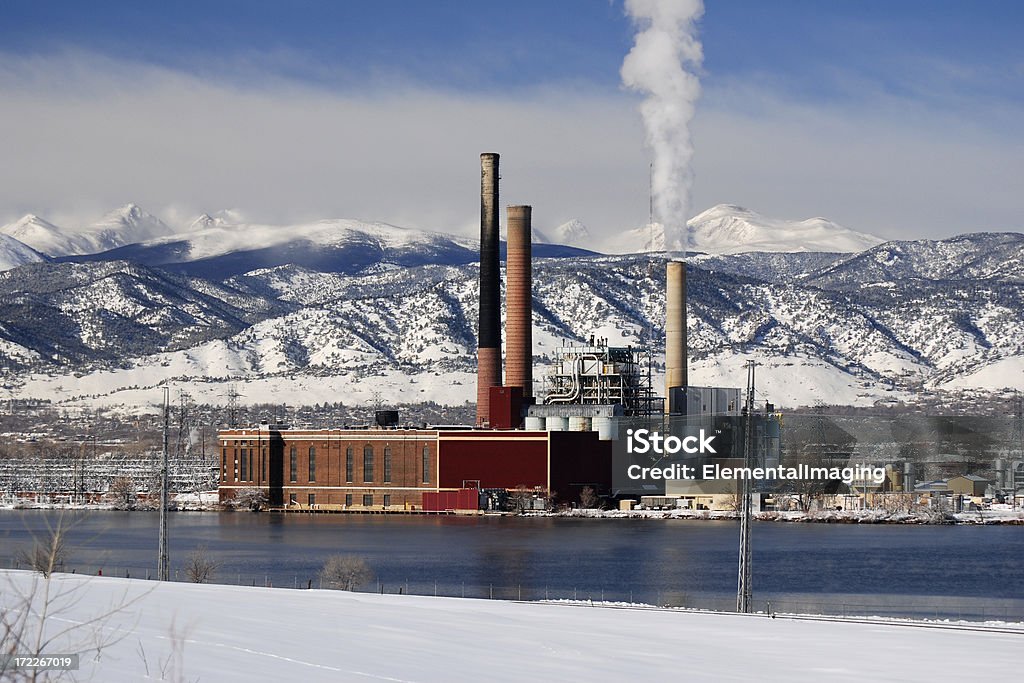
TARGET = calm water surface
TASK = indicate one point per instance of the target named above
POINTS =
(973, 572)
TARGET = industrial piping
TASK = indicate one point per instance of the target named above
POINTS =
(489, 331)
(519, 301)
(675, 329)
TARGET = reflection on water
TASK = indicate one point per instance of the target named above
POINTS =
(945, 571)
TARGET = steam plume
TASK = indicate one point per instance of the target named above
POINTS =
(661, 65)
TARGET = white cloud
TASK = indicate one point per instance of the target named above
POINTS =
(84, 134)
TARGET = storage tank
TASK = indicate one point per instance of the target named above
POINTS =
(556, 424)
(909, 481)
(534, 424)
(607, 428)
(579, 424)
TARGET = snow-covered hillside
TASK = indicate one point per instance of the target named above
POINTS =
(14, 253)
(111, 332)
(179, 631)
(730, 229)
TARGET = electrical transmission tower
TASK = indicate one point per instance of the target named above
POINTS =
(233, 397)
(744, 590)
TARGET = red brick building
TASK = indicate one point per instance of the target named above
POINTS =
(378, 468)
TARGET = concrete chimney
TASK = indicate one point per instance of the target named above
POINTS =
(489, 331)
(675, 329)
(519, 301)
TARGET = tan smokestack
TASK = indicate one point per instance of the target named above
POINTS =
(675, 328)
(519, 301)
(489, 330)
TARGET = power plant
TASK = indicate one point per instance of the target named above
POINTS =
(548, 447)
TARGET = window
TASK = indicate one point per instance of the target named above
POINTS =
(293, 499)
(348, 500)
(426, 464)
(312, 499)
(252, 472)
(367, 463)
(293, 464)
(245, 470)
(348, 465)
(236, 466)
(368, 500)
(387, 464)
(224, 464)
(264, 463)
(312, 463)
(387, 499)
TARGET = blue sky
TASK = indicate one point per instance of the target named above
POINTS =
(899, 118)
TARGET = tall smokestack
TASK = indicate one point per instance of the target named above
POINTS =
(675, 329)
(489, 331)
(519, 300)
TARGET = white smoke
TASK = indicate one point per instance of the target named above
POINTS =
(662, 66)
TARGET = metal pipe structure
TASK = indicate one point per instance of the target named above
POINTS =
(519, 301)
(675, 329)
(489, 331)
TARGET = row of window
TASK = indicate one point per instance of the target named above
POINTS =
(243, 469)
(293, 499)
(368, 464)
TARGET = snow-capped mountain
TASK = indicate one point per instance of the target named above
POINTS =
(128, 224)
(215, 247)
(44, 237)
(125, 225)
(730, 229)
(111, 332)
(14, 253)
(573, 233)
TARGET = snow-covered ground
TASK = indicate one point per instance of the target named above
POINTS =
(207, 632)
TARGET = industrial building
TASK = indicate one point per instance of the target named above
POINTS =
(554, 447)
(395, 469)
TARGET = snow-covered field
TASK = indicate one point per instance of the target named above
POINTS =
(229, 633)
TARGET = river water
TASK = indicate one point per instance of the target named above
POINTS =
(933, 571)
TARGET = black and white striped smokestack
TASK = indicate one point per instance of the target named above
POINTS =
(489, 331)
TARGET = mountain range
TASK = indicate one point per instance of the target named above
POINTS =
(357, 312)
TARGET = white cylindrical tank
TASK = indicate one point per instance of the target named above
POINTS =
(579, 424)
(534, 424)
(556, 424)
(607, 428)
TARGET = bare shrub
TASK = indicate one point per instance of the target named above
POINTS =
(122, 491)
(35, 611)
(249, 498)
(345, 572)
(589, 498)
(200, 566)
(49, 553)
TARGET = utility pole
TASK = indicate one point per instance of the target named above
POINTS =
(744, 589)
(162, 564)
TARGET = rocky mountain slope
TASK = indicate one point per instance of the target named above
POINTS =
(838, 328)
